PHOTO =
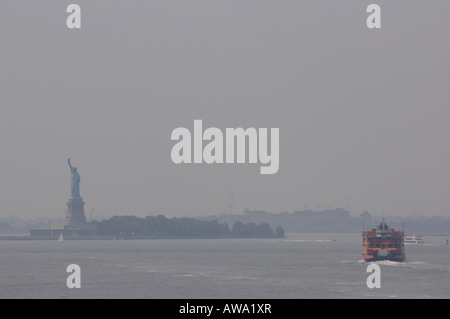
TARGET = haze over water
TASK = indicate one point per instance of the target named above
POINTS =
(362, 114)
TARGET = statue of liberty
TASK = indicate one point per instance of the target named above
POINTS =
(75, 181)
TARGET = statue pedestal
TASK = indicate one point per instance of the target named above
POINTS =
(76, 224)
(75, 212)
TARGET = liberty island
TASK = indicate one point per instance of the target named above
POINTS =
(132, 227)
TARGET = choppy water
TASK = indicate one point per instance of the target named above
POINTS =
(298, 266)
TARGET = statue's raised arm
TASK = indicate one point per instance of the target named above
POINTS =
(68, 161)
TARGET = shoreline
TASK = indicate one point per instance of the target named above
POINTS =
(23, 237)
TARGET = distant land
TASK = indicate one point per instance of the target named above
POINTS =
(150, 227)
(336, 221)
(129, 227)
(326, 221)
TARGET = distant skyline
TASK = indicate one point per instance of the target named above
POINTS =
(363, 115)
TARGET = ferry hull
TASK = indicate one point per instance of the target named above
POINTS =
(378, 258)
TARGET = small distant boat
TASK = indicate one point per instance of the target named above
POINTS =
(60, 239)
(414, 239)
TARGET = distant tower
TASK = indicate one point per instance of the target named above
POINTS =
(231, 204)
(415, 210)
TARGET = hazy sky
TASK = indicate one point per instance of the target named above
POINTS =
(363, 114)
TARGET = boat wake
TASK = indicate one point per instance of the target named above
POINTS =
(391, 262)
(310, 240)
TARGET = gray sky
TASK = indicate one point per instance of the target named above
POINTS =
(363, 114)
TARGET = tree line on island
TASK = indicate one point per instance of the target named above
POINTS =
(162, 227)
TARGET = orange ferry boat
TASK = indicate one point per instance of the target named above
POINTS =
(383, 243)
